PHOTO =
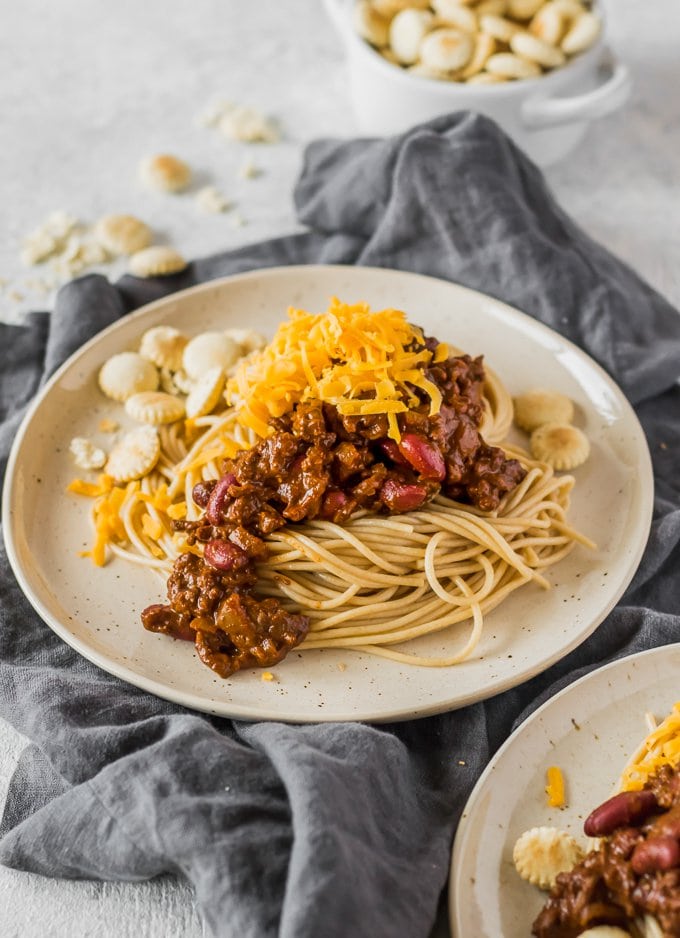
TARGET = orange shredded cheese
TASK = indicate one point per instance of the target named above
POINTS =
(177, 511)
(108, 524)
(91, 489)
(661, 747)
(362, 362)
(555, 787)
(152, 527)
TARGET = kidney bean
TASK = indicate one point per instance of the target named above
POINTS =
(201, 493)
(402, 496)
(656, 853)
(391, 449)
(335, 504)
(219, 498)
(626, 808)
(424, 456)
(223, 555)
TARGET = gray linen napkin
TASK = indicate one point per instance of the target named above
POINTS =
(336, 829)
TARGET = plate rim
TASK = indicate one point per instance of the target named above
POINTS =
(245, 712)
(573, 687)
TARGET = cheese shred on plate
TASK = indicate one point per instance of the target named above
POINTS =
(661, 747)
(554, 788)
(362, 362)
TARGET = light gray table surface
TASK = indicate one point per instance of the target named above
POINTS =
(89, 87)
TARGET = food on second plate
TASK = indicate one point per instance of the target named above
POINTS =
(349, 492)
(630, 877)
(542, 853)
(554, 787)
(477, 41)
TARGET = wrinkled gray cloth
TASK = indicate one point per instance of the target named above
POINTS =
(340, 829)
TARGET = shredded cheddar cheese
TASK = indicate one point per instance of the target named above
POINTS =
(91, 489)
(360, 361)
(152, 527)
(177, 511)
(661, 747)
(555, 787)
(107, 521)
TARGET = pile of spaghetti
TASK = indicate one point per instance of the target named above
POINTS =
(350, 494)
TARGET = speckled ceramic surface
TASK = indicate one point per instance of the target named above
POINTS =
(96, 610)
(590, 730)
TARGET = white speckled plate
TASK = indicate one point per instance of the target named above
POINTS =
(97, 610)
(590, 730)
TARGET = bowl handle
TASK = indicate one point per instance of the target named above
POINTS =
(541, 111)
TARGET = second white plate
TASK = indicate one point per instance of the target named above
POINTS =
(590, 730)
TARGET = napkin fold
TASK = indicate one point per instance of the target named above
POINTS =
(330, 829)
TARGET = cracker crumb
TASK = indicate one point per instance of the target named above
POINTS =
(48, 239)
(69, 245)
(210, 199)
(249, 126)
(342, 666)
(78, 255)
(268, 676)
(15, 296)
(38, 285)
(211, 116)
(108, 426)
(240, 123)
(249, 170)
(86, 455)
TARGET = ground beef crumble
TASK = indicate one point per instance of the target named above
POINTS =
(635, 871)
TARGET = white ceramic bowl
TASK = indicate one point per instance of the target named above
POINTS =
(546, 116)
